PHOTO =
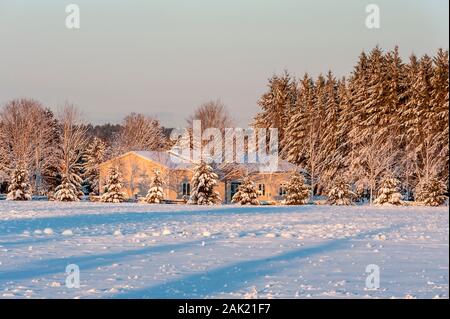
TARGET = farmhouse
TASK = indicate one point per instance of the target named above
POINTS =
(137, 169)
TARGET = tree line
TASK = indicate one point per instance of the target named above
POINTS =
(58, 153)
(381, 129)
(388, 118)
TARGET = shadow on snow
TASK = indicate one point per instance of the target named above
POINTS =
(229, 278)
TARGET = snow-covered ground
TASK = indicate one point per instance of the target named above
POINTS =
(171, 251)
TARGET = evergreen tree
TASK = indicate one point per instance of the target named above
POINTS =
(421, 134)
(439, 110)
(297, 193)
(155, 194)
(70, 188)
(388, 193)
(396, 86)
(358, 93)
(330, 160)
(246, 194)
(374, 120)
(341, 193)
(389, 116)
(344, 126)
(51, 177)
(113, 187)
(316, 150)
(300, 124)
(431, 192)
(409, 126)
(304, 145)
(93, 157)
(203, 183)
(19, 187)
(277, 104)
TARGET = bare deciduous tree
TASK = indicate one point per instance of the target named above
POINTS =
(212, 114)
(28, 140)
(73, 143)
(376, 158)
(139, 132)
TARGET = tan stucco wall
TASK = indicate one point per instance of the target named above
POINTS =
(136, 171)
(272, 183)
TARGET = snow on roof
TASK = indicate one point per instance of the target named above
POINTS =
(254, 168)
(166, 159)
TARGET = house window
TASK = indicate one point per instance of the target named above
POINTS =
(282, 191)
(186, 188)
(262, 189)
(234, 187)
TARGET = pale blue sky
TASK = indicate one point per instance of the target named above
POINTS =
(165, 57)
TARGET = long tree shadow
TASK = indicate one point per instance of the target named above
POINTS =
(58, 265)
(57, 223)
(229, 278)
(85, 262)
(27, 241)
(56, 239)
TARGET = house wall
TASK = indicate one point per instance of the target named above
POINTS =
(178, 177)
(137, 173)
(175, 183)
(272, 183)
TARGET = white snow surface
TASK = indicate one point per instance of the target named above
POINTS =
(247, 252)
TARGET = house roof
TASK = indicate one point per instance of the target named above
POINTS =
(175, 161)
(254, 168)
(168, 159)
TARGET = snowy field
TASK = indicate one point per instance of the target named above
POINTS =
(171, 251)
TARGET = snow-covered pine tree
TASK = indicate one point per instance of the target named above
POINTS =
(203, 184)
(409, 126)
(341, 193)
(299, 125)
(375, 108)
(357, 96)
(50, 174)
(303, 144)
(396, 86)
(416, 119)
(246, 194)
(93, 157)
(19, 187)
(277, 104)
(330, 159)
(388, 193)
(431, 192)
(315, 139)
(343, 128)
(440, 110)
(70, 188)
(297, 192)
(113, 187)
(155, 194)
(373, 148)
